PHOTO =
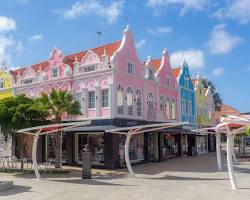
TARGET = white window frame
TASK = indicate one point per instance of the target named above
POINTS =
(168, 105)
(88, 68)
(120, 91)
(138, 103)
(103, 100)
(130, 68)
(162, 103)
(150, 74)
(173, 109)
(52, 72)
(130, 106)
(89, 103)
(28, 79)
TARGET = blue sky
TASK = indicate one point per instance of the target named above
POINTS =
(212, 35)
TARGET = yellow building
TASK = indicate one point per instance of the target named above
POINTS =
(200, 100)
(6, 89)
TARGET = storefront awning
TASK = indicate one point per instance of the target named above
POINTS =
(91, 129)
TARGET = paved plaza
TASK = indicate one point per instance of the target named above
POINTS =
(181, 178)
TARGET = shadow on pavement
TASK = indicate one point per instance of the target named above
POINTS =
(183, 178)
(89, 182)
(17, 189)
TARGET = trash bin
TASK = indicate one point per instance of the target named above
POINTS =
(86, 164)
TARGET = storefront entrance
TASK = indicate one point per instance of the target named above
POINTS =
(95, 143)
(50, 148)
(184, 145)
(169, 145)
(153, 149)
(136, 149)
(202, 144)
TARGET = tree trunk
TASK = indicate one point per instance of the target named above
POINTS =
(57, 143)
(20, 141)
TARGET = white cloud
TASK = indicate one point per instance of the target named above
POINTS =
(221, 41)
(89, 7)
(19, 47)
(140, 43)
(5, 42)
(35, 38)
(7, 24)
(218, 71)
(186, 5)
(160, 30)
(194, 58)
(235, 9)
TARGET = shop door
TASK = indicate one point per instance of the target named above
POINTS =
(152, 147)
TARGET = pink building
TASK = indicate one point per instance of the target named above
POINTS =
(114, 88)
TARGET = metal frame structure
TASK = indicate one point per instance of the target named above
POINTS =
(129, 131)
(44, 130)
(231, 126)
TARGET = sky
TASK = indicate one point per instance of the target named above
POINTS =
(212, 36)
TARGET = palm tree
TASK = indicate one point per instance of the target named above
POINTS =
(58, 103)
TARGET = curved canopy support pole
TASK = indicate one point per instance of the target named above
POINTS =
(233, 152)
(229, 159)
(130, 170)
(218, 151)
(34, 158)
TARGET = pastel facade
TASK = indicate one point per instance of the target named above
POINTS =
(187, 112)
(211, 118)
(200, 101)
(5, 83)
(114, 88)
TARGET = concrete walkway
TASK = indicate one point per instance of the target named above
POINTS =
(188, 178)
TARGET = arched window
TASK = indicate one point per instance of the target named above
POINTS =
(150, 102)
(130, 101)
(173, 109)
(183, 106)
(168, 108)
(162, 103)
(120, 99)
(138, 102)
(189, 107)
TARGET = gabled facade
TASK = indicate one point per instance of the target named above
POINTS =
(200, 101)
(114, 88)
(187, 111)
(5, 83)
(211, 118)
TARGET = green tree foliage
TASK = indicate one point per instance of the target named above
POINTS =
(58, 103)
(216, 96)
(248, 130)
(19, 112)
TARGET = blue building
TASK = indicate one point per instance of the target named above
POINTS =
(186, 107)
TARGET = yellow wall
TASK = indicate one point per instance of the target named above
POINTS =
(201, 106)
(7, 91)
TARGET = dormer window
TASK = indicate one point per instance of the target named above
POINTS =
(150, 74)
(130, 68)
(89, 68)
(186, 82)
(27, 81)
(54, 73)
(1, 84)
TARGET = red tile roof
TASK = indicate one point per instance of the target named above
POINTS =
(194, 81)
(176, 72)
(110, 50)
(156, 64)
